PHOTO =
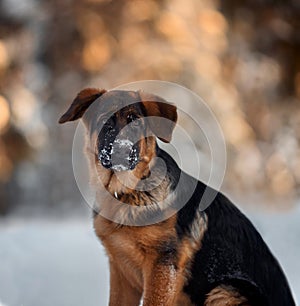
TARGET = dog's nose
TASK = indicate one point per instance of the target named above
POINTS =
(120, 157)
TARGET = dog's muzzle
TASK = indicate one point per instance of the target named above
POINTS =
(119, 155)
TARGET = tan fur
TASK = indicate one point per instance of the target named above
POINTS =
(189, 246)
(141, 264)
(133, 253)
(225, 296)
(136, 265)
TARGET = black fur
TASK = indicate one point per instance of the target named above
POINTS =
(232, 252)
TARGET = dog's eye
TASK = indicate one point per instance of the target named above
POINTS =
(104, 119)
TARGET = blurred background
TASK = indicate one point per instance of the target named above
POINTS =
(241, 57)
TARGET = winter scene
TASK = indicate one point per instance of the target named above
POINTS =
(225, 78)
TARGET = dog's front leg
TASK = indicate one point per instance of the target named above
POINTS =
(161, 285)
(122, 293)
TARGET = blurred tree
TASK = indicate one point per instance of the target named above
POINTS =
(242, 57)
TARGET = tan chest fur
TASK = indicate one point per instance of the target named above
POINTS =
(134, 249)
(131, 248)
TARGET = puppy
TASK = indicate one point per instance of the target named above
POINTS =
(163, 245)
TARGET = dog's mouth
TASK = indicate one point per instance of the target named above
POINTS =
(119, 155)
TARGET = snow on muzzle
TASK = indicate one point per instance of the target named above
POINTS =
(120, 155)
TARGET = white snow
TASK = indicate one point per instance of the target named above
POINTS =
(124, 142)
(119, 167)
(47, 263)
(61, 262)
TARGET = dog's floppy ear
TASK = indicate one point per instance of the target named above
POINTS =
(81, 103)
(157, 107)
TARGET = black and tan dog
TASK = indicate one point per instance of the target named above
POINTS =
(193, 257)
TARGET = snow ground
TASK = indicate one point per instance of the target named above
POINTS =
(57, 263)
(61, 263)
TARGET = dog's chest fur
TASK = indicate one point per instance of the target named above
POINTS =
(134, 244)
(135, 249)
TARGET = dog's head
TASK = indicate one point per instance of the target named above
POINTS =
(126, 124)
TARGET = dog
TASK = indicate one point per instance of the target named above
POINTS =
(184, 255)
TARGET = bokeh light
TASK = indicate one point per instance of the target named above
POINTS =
(242, 58)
